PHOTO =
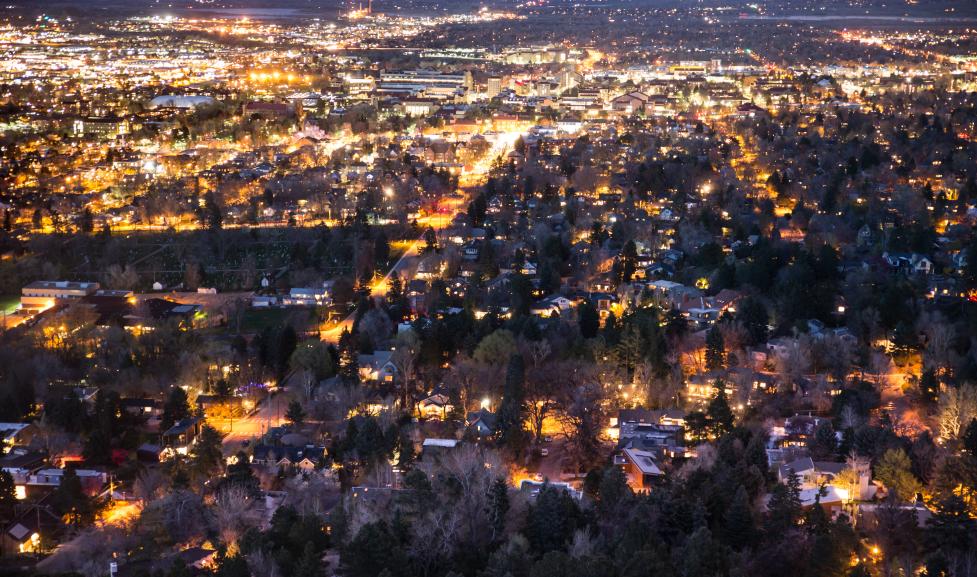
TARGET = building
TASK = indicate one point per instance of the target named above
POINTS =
(493, 87)
(44, 294)
(377, 367)
(641, 469)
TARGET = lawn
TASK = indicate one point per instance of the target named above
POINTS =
(9, 303)
(257, 320)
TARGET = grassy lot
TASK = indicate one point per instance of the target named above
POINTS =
(257, 320)
(9, 303)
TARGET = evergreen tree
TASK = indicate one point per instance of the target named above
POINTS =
(552, 519)
(823, 444)
(697, 426)
(349, 370)
(208, 457)
(970, 438)
(512, 410)
(405, 450)
(589, 320)
(740, 529)
(718, 413)
(295, 413)
(8, 496)
(310, 564)
(175, 409)
(498, 507)
(951, 529)
(784, 508)
(715, 349)
(232, 566)
(894, 469)
(70, 500)
(373, 550)
(240, 475)
(753, 315)
(86, 223)
(929, 388)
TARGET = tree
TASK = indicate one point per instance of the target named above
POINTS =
(970, 269)
(753, 315)
(239, 474)
(313, 357)
(208, 457)
(739, 526)
(718, 413)
(70, 500)
(295, 413)
(697, 426)
(175, 409)
(784, 508)
(430, 240)
(500, 344)
(552, 519)
(498, 507)
(310, 564)
(970, 438)
(823, 444)
(715, 349)
(349, 371)
(212, 213)
(373, 550)
(8, 497)
(589, 319)
(512, 410)
(232, 566)
(951, 529)
(929, 388)
(894, 469)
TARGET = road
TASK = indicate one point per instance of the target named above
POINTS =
(270, 414)
(377, 289)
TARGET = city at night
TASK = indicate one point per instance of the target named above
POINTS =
(488, 288)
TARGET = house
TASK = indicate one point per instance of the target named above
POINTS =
(307, 297)
(178, 438)
(433, 450)
(641, 469)
(810, 472)
(550, 306)
(377, 367)
(630, 103)
(701, 388)
(198, 558)
(815, 475)
(532, 488)
(436, 406)
(799, 428)
(27, 532)
(91, 481)
(626, 419)
(285, 458)
(481, 423)
(16, 433)
(471, 250)
(907, 263)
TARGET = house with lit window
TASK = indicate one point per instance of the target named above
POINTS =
(377, 367)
